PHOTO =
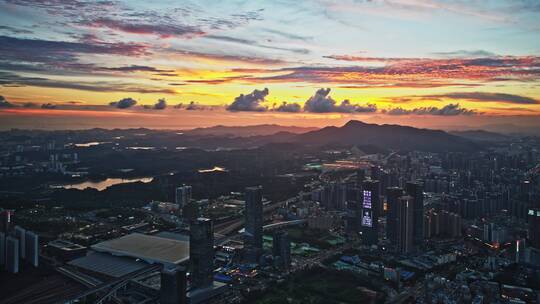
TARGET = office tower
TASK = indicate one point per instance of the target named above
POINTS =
(201, 252)
(173, 286)
(416, 191)
(20, 234)
(32, 248)
(281, 247)
(375, 172)
(254, 222)
(2, 250)
(182, 196)
(370, 212)
(393, 195)
(405, 224)
(488, 232)
(373, 186)
(520, 251)
(5, 220)
(340, 202)
(12, 254)
(534, 227)
(360, 177)
(190, 212)
(353, 193)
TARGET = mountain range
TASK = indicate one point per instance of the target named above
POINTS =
(388, 137)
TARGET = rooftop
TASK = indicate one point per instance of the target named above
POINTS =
(107, 264)
(152, 249)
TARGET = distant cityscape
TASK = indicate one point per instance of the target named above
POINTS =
(126, 216)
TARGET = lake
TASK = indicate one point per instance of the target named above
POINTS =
(104, 184)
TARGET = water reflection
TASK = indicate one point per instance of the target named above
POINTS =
(104, 184)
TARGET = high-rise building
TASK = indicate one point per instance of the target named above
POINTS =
(12, 254)
(360, 177)
(405, 224)
(201, 252)
(173, 286)
(281, 247)
(370, 212)
(182, 196)
(5, 220)
(373, 186)
(393, 195)
(2, 250)
(520, 251)
(190, 212)
(20, 234)
(254, 222)
(32, 248)
(534, 227)
(375, 172)
(415, 190)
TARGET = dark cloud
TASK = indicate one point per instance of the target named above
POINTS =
(288, 35)
(322, 102)
(250, 102)
(59, 52)
(448, 110)
(290, 107)
(8, 79)
(466, 53)
(489, 97)
(161, 104)
(137, 68)
(49, 106)
(257, 44)
(227, 57)
(13, 30)
(124, 103)
(183, 22)
(194, 106)
(4, 103)
(29, 105)
(136, 26)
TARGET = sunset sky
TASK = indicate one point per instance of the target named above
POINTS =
(182, 64)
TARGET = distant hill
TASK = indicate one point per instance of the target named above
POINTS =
(481, 135)
(388, 137)
(247, 131)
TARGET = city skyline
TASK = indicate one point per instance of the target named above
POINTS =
(436, 64)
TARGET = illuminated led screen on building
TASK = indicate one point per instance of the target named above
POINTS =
(367, 199)
(367, 218)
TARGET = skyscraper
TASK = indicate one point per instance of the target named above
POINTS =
(32, 248)
(2, 250)
(12, 254)
(20, 233)
(393, 195)
(254, 222)
(415, 190)
(173, 286)
(405, 224)
(375, 172)
(190, 212)
(360, 177)
(182, 196)
(370, 212)
(5, 220)
(534, 227)
(201, 252)
(281, 247)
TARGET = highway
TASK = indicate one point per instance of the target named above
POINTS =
(113, 285)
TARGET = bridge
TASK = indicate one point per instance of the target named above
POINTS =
(279, 225)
